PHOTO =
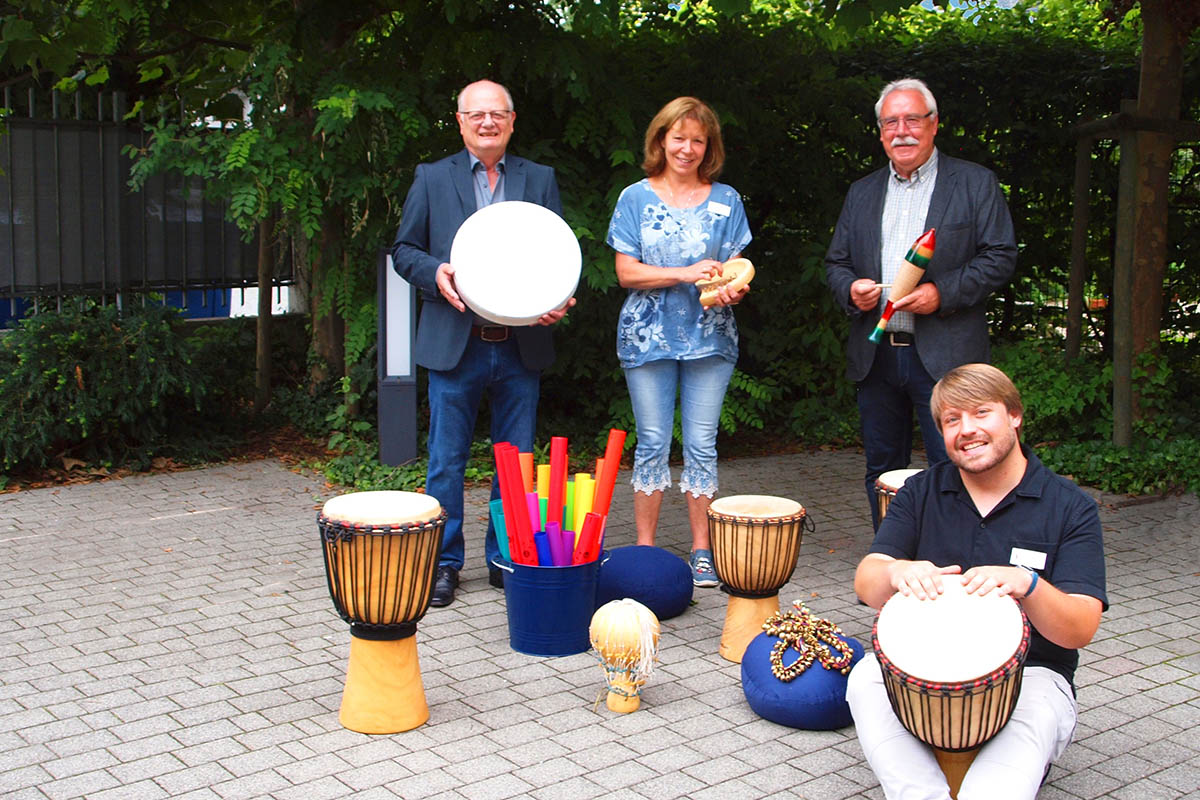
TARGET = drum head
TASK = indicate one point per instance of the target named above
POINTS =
(894, 479)
(954, 638)
(381, 508)
(755, 506)
(515, 261)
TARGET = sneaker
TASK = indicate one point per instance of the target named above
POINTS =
(703, 573)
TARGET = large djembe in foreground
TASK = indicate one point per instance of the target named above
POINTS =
(952, 668)
(381, 551)
(755, 542)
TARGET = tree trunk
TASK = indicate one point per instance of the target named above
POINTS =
(328, 328)
(1159, 92)
(1079, 235)
(262, 350)
(1123, 282)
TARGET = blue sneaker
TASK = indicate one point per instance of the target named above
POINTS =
(703, 573)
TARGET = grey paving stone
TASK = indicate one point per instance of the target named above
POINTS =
(197, 655)
(142, 790)
(78, 785)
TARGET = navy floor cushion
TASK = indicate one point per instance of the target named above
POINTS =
(656, 578)
(815, 700)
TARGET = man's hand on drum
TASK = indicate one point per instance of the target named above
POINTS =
(551, 317)
(923, 579)
(1014, 581)
(445, 285)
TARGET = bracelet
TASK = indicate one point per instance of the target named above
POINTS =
(1032, 584)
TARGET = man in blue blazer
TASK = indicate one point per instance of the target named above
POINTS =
(466, 355)
(943, 322)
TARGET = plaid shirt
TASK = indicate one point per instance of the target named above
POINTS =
(905, 208)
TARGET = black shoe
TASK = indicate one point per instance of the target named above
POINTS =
(443, 587)
(496, 577)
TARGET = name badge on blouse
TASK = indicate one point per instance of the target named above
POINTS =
(1027, 558)
(720, 209)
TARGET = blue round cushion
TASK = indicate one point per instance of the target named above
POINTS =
(656, 578)
(815, 700)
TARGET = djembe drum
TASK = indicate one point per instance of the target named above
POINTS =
(755, 541)
(952, 668)
(381, 551)
(887, 484)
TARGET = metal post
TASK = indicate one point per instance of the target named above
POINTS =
(397, 371)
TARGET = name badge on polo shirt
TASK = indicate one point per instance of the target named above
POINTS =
(719, 209)
(1027, 558)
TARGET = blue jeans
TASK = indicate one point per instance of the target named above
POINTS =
(454, 397)
(701, 384)
(896, 386)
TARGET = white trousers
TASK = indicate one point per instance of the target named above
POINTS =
(1009, 767)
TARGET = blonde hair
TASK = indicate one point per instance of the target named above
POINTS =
(684, 108)
(970, 385)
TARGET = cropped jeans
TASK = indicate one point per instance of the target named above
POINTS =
(454, 397)
(701, 385)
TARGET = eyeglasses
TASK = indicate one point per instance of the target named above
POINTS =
(910, 121)
(476, 117)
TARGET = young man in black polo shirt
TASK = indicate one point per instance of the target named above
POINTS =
(997, 520)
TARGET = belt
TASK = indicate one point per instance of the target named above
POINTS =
(490, 333)
(900, 339)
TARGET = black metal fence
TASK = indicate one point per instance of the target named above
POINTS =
(69, 223)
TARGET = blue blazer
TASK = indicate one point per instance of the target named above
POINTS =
(439, 201)
(976, 254)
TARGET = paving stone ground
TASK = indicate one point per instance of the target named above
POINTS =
(173, 636)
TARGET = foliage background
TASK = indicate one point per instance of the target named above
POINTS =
(348, 98)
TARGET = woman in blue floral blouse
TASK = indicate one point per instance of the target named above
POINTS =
(672, 228)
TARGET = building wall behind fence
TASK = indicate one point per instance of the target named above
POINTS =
(69, 223)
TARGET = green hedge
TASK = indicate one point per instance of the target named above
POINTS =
(114, 387)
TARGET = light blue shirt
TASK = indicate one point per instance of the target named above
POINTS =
(670, 323)
(484, 194)
(905, 207)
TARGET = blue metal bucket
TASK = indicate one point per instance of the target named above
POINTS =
(549, 608)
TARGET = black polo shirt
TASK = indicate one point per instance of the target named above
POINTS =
(933, 518)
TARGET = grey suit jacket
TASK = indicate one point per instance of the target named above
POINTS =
(976, 254)
(439, 201)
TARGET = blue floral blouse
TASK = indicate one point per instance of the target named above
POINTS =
(670, 323)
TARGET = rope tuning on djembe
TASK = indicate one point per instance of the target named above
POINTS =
(380, 551)
(755, 542)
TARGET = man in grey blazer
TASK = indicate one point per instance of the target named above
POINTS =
(942, 323)
(468, 356)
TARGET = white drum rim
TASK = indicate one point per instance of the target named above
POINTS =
(381, 508)
(894, 479)
(755, 506)
(981, 649)
(515, 261)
